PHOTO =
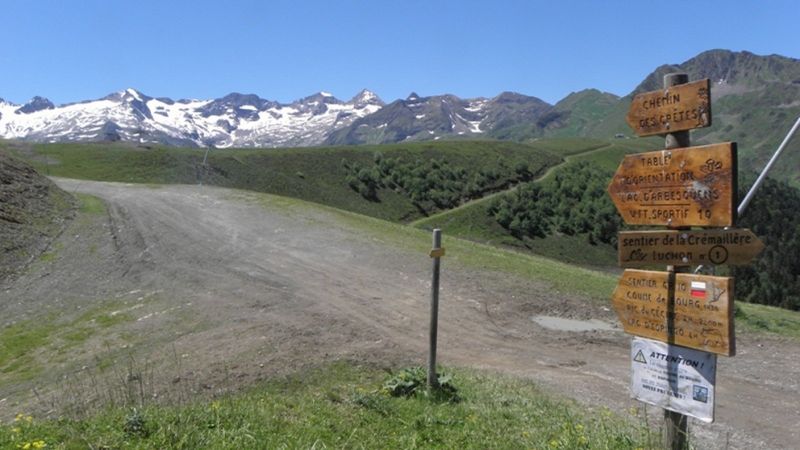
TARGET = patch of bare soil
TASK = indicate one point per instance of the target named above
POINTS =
(218, 290)
(32, 212)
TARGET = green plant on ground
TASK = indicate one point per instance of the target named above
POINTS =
(412, 381)
(307, 410)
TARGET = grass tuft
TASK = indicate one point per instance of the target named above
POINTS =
(309, 411)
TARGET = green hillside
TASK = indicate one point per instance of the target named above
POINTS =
(755, 100)
(313, 174)
(476, 221)
(483, 191)
(580, 111)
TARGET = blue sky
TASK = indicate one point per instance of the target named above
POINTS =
(69, 50)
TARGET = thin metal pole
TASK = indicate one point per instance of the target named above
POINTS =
(676, 425)
(433, 381)
(757, 184)
(761, 177)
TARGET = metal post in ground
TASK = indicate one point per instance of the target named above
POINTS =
(436, 253)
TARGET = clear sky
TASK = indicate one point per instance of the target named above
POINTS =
(70, 50)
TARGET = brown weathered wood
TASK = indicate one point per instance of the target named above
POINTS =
(688, 247)
(703, 322)
(677, 108)
(692, 186)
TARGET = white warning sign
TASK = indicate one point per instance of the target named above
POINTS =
(675, 378)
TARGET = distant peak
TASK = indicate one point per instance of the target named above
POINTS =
(129, 95)
(412, 96)
(366, 97)
(36, 104)
(320, 97)
(132, 93)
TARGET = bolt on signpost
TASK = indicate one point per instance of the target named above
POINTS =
(436, 253)
(686, 318)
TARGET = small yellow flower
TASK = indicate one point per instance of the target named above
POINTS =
(15, 430)
(554, 443)
(26, 446)
(583, 440)
(525, 434)
(19, 417)
(39, 444)
(579, 427)
(215, 405)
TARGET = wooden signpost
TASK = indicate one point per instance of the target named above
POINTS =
(688, 247)
(699, 317)
(675, 108)
(693, 186)
(678, 187)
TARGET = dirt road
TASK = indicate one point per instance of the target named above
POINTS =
(222, 288)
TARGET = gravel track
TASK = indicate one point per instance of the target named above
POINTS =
(223, 288)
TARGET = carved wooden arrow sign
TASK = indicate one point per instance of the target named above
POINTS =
(678, 108)
(687, 248)
(692, 186)
(701, 317)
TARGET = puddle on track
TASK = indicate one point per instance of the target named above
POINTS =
(562, 324)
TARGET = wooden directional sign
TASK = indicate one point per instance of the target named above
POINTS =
(692, 186)
(678, 108)
(687, 248)
(701, 317)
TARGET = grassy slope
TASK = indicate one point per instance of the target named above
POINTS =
(313, 174)
(343, 406)
(473, 222)
(126, 163)
(563, 277)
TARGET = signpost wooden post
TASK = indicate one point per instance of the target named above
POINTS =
(687, 247)
(678, 187)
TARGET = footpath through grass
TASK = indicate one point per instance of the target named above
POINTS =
(345, 406)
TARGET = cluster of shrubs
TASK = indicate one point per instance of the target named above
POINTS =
(774, 277)
(432, 184)
(573, 202)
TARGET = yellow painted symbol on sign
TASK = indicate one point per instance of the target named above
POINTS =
(437, 252)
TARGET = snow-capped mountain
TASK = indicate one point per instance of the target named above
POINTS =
(422, 118)
(235, 120)
(239, 120)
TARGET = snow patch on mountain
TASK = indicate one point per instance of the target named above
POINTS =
(236, 120)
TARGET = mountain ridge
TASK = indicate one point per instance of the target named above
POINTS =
(755, 99)
(236, 119)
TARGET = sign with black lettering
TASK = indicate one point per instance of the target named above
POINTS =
(674, 378)
(692, 186)
(687, 248)
(677, 108)
(700, 317)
